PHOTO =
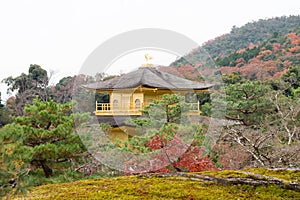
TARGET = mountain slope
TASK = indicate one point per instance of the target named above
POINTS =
(253, 32)
(257, 50)
(268, 59)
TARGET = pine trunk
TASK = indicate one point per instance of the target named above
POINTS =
(47, 169)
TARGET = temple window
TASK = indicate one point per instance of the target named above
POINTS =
(115, 104)
(137, 104)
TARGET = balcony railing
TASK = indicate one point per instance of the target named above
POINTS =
(110, 109)
(106, 109)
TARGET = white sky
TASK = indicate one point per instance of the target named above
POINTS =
(60, 34)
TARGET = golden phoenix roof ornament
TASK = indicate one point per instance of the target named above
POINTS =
(147, 57)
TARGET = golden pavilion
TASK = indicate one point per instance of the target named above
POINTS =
(130, 93)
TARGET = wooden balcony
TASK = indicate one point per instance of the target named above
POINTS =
(107, 109)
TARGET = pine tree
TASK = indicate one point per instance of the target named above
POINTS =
(42, 138)
(247, 102)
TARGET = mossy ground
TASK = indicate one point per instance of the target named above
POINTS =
(158, 187)
(288, 175)
(257, 173)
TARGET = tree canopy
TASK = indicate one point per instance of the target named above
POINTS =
(43, 137)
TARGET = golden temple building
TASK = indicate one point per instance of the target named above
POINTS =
(130, 93)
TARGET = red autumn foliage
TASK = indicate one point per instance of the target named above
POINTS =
(157, 142)
(174, 154)
(257, 68)
(241, 50)
(295, 38)
(279, 74)
(269, 63)
(171, 70)
(295, 49)
(251, 46)
(187, 71)
(192, 160)
(276, 47)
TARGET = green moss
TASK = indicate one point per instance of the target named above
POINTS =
(256, 173)
(228, 174)
(144, 187)
(287, 175)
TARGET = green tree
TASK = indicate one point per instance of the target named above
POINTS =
(70, 88)
(62, 91)
(44, 138)
(38, 75)
(1, 105)
(232, 78)
(4, 114)
(292, 77)
(28, 86)
(247, 102)
(170, 109)
(269, 122)
(248, 105)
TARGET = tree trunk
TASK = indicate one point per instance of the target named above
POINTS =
(47, 169)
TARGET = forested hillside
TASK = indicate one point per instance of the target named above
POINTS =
(267, 59)
(252, 32)
(257, 50)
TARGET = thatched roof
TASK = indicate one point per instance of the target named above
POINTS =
(148, 77)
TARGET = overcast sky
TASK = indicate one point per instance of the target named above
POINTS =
(60, 34)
